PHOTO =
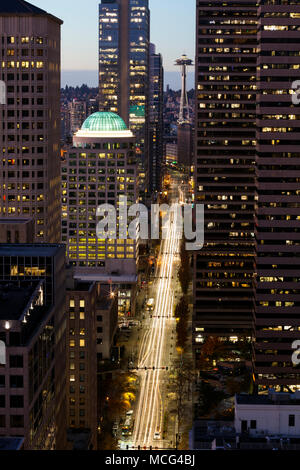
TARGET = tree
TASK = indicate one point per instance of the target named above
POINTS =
(182, 308)
(184, 273)
(182, 383)
(212, 349)
(182, 315)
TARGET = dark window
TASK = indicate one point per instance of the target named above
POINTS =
(16, 361)
(291, 420)
(2, 421)
(17, 421)
(14, 339)
(16, 381)
(99, 318)
(2, 381)
(244, 426)
(2, 401)
(253, 424)
(16, 401)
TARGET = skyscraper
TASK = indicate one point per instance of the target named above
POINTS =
(124, 31)
(81, 361)
(99, 169)
(225, 167)
(30, 134)
(277, 298)
(156, 123)
(114, 57)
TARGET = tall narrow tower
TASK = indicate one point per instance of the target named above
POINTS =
(184, 62)
(184, 121)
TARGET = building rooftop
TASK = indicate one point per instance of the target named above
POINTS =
(13, 220)
(11, 443)
(94, 276)
(270, 399)
(104, 122)
(21, 7)
(14, 299)
(80, 286)
(38, 249)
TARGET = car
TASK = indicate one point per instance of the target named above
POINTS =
(157, 436)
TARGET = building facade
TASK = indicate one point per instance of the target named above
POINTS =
(156, 119)
(107, 309)
(100, 169)
(277, 297)
(16, 230)
(124, 31)
(30, 135)
(225, 136)
(32, 326)
(81, 360)
(275, 414)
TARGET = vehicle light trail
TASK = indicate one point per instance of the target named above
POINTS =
(153, 351)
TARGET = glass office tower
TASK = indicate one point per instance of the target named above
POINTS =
(124, 30)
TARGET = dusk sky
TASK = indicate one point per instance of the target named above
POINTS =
(172, 30)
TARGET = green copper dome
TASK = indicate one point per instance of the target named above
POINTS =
(104, 122)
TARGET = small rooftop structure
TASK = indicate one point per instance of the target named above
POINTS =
(11, 443)
(38, 249)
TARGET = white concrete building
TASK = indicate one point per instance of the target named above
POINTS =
(276, 414)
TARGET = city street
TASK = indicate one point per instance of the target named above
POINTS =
(156, 348)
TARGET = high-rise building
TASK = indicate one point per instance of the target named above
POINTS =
(78, 114)
(82, 357)
(277, 297)
(32, 326)
(124, 31)
(156, 122)
(114, 57)
(30, 134)
(99, 169)
(225, 167)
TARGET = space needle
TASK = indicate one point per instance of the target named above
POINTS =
(184, 114)
(185, 135)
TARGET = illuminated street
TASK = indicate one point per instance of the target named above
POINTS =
(155, 349)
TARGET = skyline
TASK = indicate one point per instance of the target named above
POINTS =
(81, 53)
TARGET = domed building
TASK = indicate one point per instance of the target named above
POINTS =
(99, 168)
